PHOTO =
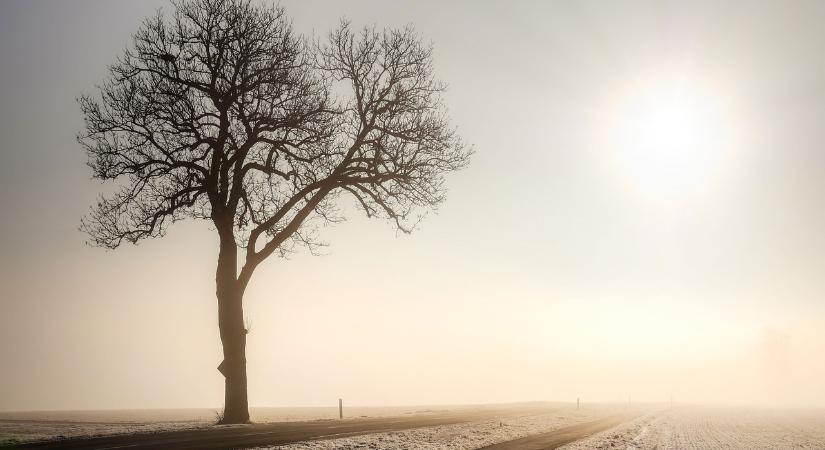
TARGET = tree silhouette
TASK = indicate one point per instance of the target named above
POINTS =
(223, 113)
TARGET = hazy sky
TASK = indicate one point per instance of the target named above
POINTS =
(564, 263)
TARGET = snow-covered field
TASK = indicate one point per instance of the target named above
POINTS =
(682, 428)
(42, 425)
(705, 428)
(25, 431)
(29, 426)
(470, 435)
(694, 428)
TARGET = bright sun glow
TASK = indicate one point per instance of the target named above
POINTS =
(669, 137)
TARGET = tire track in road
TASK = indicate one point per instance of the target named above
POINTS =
(561, 436)
(259, 435)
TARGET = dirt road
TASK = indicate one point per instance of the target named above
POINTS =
(245, 436)
(557, 438)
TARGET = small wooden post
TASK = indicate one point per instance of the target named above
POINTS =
(340, 408)
(577, 403)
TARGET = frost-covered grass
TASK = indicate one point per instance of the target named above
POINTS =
(694, 428)
(625, 436)
(27, 426)
(469, 435)
(30, 430)
(700, 428)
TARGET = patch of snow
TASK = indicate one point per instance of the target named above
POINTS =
(713, 429)
(29, 426)
(469, 435)
(18, 431)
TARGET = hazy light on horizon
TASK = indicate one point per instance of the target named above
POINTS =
(642, 217)
(669, 136)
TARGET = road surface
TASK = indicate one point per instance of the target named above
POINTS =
(245, 436)
(557, 438)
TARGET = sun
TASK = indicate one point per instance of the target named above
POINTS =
(669, 138)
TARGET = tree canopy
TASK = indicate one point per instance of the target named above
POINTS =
(225, 113)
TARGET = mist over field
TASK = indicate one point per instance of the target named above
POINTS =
(640, 224)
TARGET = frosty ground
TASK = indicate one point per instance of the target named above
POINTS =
(471, 435)
(502, 423)
(650, 427)
(30, 426)
(706, 428)
(685, 427)
(662, 428)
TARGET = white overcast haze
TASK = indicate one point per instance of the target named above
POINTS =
(554, 270)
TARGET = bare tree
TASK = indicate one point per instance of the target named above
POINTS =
(223, 113)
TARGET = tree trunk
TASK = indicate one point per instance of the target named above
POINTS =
(233, 334)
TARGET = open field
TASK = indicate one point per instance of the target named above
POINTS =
(684, 427)
(28, 426)
(706, 428)
(283, 425)
(470, 435)
(533, 425)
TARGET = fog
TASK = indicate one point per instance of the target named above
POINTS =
(554, 271)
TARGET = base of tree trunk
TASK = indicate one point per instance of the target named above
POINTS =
(233, 418)
(233, 421)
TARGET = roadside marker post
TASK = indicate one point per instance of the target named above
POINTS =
(340, 408)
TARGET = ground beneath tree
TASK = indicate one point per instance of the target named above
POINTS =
(272, 434)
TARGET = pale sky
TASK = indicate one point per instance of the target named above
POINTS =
(565, 262)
